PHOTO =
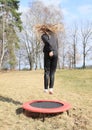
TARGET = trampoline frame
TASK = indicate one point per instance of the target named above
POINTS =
(27, 106)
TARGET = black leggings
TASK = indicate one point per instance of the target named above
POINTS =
(50, 64)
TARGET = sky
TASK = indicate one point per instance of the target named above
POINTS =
(73, 10)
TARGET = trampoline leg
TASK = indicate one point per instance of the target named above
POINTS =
(67, 112)
(43, 117)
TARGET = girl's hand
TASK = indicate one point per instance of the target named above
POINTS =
(51, 54)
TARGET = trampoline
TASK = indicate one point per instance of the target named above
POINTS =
(46, 106)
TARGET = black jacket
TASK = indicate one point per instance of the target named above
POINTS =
(50, 43)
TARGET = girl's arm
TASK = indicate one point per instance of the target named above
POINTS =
(45, 39)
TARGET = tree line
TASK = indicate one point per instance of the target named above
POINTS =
(21, 47)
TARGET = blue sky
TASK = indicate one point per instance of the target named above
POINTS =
(72, 9)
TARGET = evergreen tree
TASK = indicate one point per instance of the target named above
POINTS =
(11, 22)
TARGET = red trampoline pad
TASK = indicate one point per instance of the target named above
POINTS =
(46, 106)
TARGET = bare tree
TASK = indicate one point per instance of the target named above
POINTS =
(37, 14)
(62, 47)
(68, 49)
(74, 38)
(86, 40)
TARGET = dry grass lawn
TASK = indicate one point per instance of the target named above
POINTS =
(73, 86)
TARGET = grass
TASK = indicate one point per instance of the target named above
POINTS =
(73, 86)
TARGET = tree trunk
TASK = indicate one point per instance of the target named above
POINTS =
(74, 56)
(84, 56)
(3, 42)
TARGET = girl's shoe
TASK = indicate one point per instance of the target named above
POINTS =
(50, 91)
(46, 90)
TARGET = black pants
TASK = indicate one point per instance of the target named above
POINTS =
(50, 64)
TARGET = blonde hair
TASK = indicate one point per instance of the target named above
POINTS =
(49, 27)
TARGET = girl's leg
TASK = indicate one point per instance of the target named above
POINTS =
(46, 71)
(46, 78)
(53, 66)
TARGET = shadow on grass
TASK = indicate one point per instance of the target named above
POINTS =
(10, 100)
(34, 115)
(41, 116)
(19, 111)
